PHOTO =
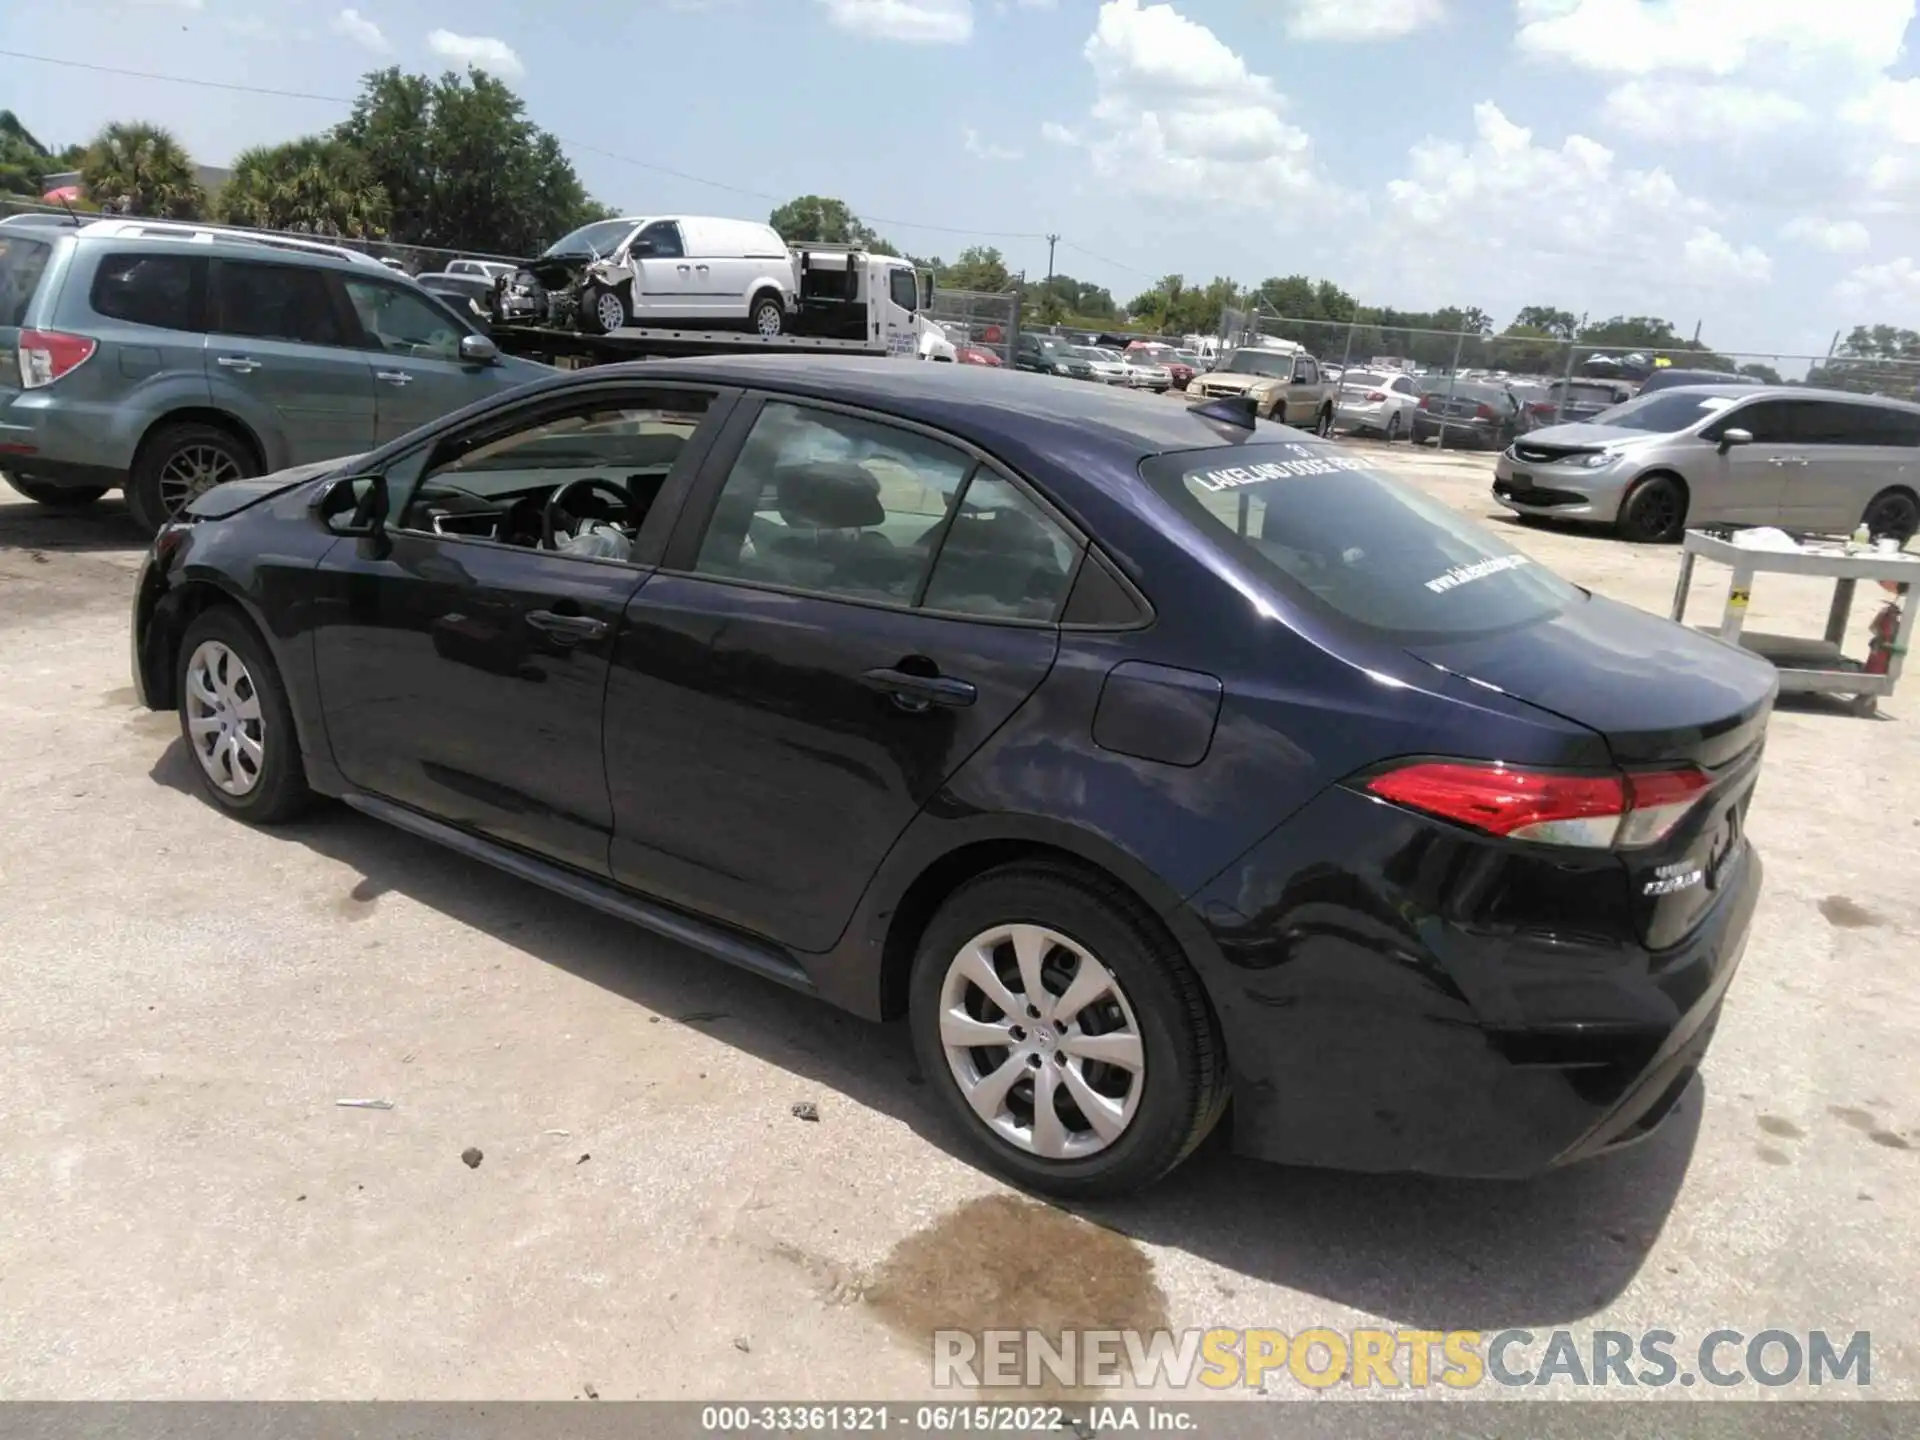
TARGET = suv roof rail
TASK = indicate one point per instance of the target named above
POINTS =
(190, 230)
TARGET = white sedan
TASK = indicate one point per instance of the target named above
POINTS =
(1376, 402)
(1108, 366)
(1144, 373)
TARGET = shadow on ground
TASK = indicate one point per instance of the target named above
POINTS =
(1417, 1251)
(104, 525)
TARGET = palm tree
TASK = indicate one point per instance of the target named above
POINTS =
(144, 166)
(315, 185)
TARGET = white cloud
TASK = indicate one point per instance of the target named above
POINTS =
(1179, 116)
(1891, 107)
(1893, 283)
(918, 22)
(362, 31)
(482, 51)
(1361, 19)
(1525, 220)
(1700, 113)
(1842, 237)
(983, 149)
(1717, 37)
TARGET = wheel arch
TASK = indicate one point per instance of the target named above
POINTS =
(173, 614)
(207, 415)
(1659, 472)
(868, 971)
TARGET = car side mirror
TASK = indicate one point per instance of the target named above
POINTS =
(1731, 438)
(479, 350)
(365, 516)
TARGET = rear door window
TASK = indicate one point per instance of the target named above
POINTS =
(22, 262)
(276, 302)
(157, 290)
(1326, 529)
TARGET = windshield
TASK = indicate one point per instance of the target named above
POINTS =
(1087, 352)
(1324, 526)
(1665, 412)
(21, 263)
(601, 238)
(1361, 379)
(1261, 362)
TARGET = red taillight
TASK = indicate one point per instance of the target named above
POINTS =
(1426, 402)
(46, 355)
(1594, 811)
(1374, 397)
(1540, 407)
(1483, 412)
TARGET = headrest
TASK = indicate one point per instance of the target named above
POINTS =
(828, 495)
(1008, 531)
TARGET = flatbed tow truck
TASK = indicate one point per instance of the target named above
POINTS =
(846, 302)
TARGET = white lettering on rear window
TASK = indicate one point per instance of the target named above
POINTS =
(1479, 570)
(1233, 477)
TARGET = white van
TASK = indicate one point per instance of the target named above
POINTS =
(691, 269)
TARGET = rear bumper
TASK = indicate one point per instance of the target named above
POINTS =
(62, 440)
(1385, 1012)
(1456, 432)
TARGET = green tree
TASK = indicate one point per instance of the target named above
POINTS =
(1546, 320)
(461, 165)
(980, 267)
(24, 161)
(315, 185)
(822, 220)
(1765, 374)
(1873, 360)
(144, 166)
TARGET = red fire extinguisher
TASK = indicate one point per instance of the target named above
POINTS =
(1882, 633)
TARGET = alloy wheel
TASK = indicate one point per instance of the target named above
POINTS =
(609, 311)
(224, 722)
(766, 319)
(193, 470)
(1042, 1041)
(1659, 510)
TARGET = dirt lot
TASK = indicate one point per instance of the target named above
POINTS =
(189, 1213)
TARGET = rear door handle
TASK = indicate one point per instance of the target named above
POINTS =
(393, 377)
(921, 690)
(571, 628)
(245, 364)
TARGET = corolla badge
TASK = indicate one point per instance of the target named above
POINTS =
(1672, 879)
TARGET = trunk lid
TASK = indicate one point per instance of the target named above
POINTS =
(1661, 696)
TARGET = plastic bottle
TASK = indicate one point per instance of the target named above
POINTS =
(1862, 538)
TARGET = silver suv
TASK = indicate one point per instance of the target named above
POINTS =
(165, 358)
(1809, 461)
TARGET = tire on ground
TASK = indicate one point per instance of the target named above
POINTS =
(1654, 511)
(1184, 1058)
(280, 792)
(57, 497)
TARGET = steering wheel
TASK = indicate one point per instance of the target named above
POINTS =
(555, 508)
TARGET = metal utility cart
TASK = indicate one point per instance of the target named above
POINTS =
(1808, 665)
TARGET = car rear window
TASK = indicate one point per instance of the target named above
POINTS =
(146, 290)
(1593, 394)
(22, 262)
(1326, 528)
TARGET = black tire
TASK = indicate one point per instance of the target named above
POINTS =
(767, 315)
(1393, 427)
(279, 790)
(1323, 423)
(588, 313)
(151, 496)
(57, 497)
(1654, 512)
(1890, 513)
(1183, 1075)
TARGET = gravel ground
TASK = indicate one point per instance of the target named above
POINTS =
(191, 1214)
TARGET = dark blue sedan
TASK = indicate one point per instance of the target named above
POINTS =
(1157, 764)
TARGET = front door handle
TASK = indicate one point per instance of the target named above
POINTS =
(569, 628)
(920, 691)
(393, 377)
(245, 364)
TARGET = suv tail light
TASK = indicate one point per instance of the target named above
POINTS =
(1426, 402)
(46, 355)
(1617, 811)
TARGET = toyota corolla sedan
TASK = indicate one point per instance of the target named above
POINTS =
(1156, 764)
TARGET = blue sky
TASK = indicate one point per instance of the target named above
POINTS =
(1753, 165)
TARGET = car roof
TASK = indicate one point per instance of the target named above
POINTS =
(999, 410)
(228, 240)
(1790, 392)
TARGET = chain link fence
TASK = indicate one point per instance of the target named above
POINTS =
(1558, 369)
(986, 320)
